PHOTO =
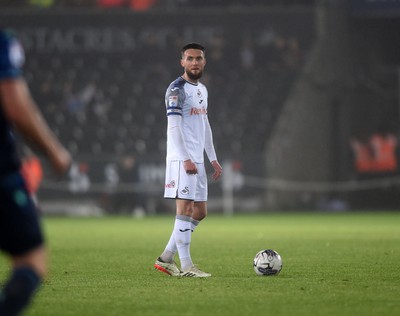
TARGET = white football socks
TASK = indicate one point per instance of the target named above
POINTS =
(182, 223)
(195, 223)
(170, 250)
(182, 235)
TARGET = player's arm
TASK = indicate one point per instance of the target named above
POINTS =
(210, 150)
(174, 97)
(22, 112)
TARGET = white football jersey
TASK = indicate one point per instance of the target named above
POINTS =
(188, 100)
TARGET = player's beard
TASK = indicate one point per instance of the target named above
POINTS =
(193, 76)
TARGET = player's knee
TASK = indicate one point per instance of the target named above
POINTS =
(35, 260)
(40, 263)
(188, 211)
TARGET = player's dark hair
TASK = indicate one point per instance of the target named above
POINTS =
(193, 46)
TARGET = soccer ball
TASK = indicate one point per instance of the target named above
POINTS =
(267, 262)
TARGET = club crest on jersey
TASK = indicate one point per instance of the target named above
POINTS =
(16, 54)
(199, 93)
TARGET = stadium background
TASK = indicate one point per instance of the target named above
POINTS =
(291, 84)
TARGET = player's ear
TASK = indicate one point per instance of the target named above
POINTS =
(182, 61)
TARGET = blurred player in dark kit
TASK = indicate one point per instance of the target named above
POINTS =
(21, 235)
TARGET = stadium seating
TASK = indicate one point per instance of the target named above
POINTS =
(112, 104)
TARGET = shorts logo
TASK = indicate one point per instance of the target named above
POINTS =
(185, 191)
(170, 185)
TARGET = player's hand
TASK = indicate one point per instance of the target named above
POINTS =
(217, 170)
(61, 160)
(190, 167)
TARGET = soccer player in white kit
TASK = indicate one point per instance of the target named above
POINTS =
(188, 136)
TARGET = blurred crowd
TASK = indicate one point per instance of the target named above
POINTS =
(259, 82)
(143, 5)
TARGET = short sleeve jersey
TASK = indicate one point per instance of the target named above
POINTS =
(11, 61)
(190, 101)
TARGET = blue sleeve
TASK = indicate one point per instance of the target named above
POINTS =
(174, 97)
(11, 55)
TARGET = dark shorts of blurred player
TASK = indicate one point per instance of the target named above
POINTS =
(20, 228)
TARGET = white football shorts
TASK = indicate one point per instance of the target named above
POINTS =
(180, 185)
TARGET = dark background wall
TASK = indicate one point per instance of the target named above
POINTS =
(290, 83)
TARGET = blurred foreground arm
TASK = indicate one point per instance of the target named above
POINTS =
(22, 112)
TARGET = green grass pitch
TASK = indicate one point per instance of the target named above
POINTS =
(333, 264)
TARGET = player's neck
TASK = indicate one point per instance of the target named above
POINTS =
(185, 76)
